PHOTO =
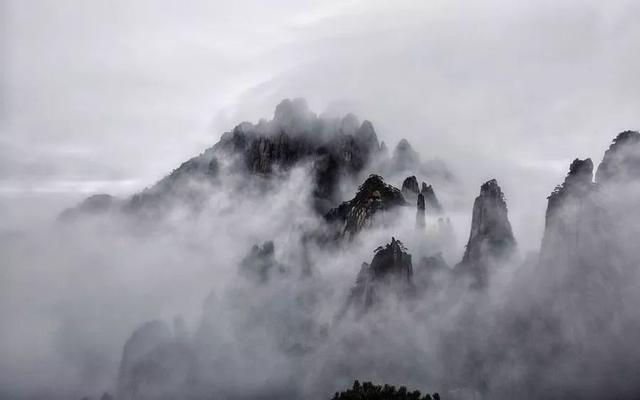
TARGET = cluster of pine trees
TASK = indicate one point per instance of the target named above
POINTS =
(369, 391)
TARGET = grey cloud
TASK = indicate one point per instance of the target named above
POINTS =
(110, 96)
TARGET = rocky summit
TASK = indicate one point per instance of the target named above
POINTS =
(491, 239)
(390, 273)
(433, 205)
(587, 221)
(334, 149)
(410, 188)
(420, 214)
(579, 279)
(374, 198)
(621, 162)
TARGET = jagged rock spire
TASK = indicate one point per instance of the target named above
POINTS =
(373, 196)
(392, 260)
(621, 162)
(420, 216)
(588, 248)
(572, 221)
(578, 184)
(433, 205)
(410, 188)
(335, 147)
(491, 239)
(491, 233)
(390, 273)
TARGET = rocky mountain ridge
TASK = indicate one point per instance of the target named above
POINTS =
(583, 248)
(335, 148)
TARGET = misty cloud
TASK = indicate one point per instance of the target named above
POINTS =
(150, 293)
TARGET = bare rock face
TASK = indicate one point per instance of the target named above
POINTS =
(390, 273)
(587, 225)
(433, 205)
(491, 233)
(178, 186)
(410, 188)
(420, 215)
(335, 148)
(491, 239)
(392, 261)
(567, 206)
(588, 264)
(374, 197)
(265, 153)
(621, 162)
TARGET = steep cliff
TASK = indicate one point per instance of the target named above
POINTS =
(433, 206)
(621, 162)
(410, 188)
(491, 239)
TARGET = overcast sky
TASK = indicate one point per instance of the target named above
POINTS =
(109, 96)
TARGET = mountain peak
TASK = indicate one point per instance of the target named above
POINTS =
(410, 187)
(392, 259)
(293, 114)
(431, 200)
(491, 238)
(621, 162)
(372, 197)
(405, 158)
(390, 272)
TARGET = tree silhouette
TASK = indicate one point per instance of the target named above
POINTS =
(369, 391)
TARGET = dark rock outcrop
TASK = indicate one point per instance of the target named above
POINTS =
(587, 271)
(374, 197)
(621, 162)
(587, 224)
(390, 273)
(433, 205)
(420, 214)
(296, 135)
(392, 261)
(491, 239)
(410, 188)
(581, 243)
(187, 184)
(335, 147)
(567, 208)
